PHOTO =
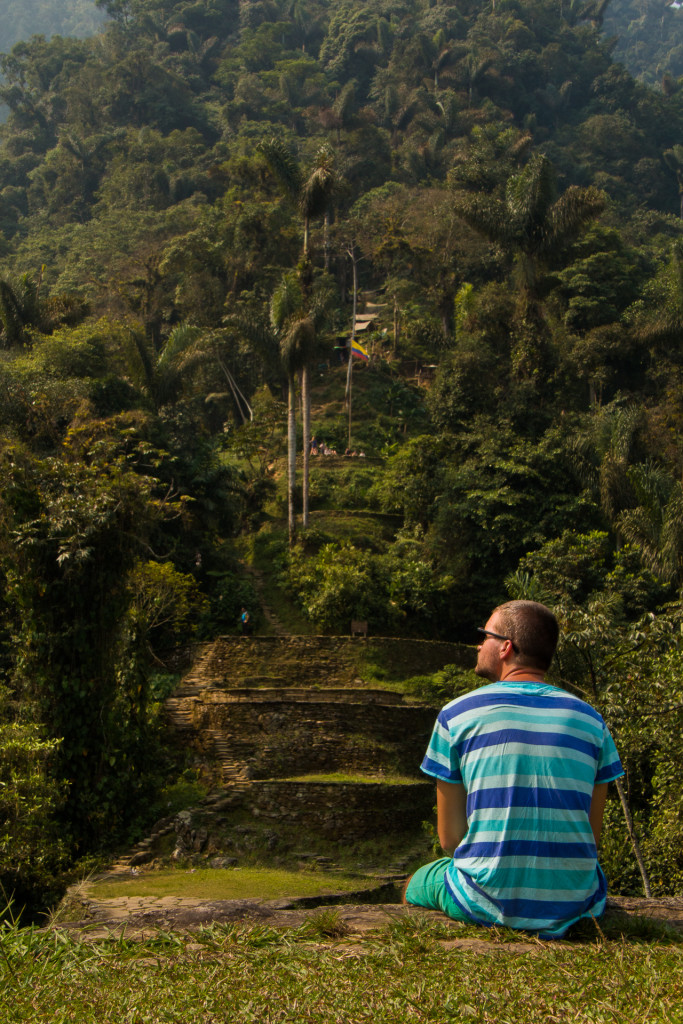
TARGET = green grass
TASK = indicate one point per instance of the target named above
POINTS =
(403, 669)
(369, 531)
(227, 884)
(382, 407)
(407, 972)
(351, 777)
(267, 552)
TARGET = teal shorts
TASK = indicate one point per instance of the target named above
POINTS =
(427, 888)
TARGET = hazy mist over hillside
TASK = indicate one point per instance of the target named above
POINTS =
(648, 34)
(21, 19)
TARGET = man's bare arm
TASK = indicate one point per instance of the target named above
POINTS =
(451, 816)
(597, 810)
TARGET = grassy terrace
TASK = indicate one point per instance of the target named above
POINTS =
(410, 970)
(227, 884)
(355, 778)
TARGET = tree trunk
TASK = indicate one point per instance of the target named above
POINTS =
(306, 397)
(634, 838)
(291, 458)
(326, 241)
(306, 232)
(349, 368)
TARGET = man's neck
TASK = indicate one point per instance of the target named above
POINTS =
(516, 673)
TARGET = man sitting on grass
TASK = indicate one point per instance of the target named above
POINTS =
(522, 769)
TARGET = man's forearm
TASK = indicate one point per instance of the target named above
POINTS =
(451, 804)
(597, 810)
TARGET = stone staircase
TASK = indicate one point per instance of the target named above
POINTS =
(275, 721)
(231, 755)
(245, 699)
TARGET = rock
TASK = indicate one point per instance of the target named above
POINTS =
(142, 857)
(163, 823)
(199, 839)
(271, 839)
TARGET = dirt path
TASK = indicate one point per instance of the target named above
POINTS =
(143, 917)
(256, 577)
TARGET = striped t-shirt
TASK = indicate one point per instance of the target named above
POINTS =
(529, 755)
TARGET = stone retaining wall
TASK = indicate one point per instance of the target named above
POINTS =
(276, 738)
(347, 812)
(344, 812)
(270, 694)
(319, 660)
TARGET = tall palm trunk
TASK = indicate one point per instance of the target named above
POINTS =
(305, 399)
(312, 195)
(291, 457)
(306, 418)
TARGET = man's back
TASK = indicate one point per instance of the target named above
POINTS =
(529, 756)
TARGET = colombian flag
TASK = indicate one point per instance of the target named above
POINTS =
(359, 350)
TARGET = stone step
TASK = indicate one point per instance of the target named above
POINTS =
(182, 706)
(234, 771)
(245, 682)
(227, 749)
(304, 694)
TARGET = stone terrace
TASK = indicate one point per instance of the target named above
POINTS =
(314, 661)
(262, 713)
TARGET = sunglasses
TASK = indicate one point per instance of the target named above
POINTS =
(498, 636)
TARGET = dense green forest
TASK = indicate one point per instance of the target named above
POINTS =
(187, 201)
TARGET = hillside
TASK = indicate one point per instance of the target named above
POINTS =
(649, 38)
(21, 20)
(198, 207)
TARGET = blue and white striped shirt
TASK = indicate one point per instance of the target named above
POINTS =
(529, 755)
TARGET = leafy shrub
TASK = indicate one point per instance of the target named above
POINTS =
(338, 584)
(229, 594)
(177, 796)
(448, 683)
(32, 849)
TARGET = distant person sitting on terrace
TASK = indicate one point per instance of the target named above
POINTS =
(245, 622)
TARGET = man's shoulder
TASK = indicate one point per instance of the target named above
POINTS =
(527, 694)
(491, 693)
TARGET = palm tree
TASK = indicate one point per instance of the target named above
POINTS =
(531, 224)
(673, 158)
(312, 193)
(25, 308)
(655, 525)
(661, 325)
(317, 191)
(296, 333)
(473, 67)
(161, 374)
(605, 455)
(533, 227)
(314, 201)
